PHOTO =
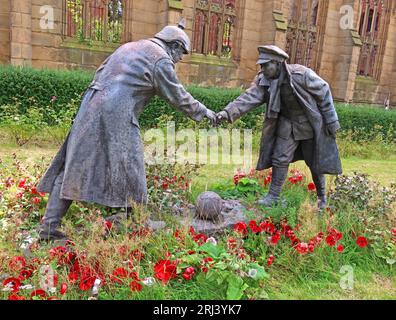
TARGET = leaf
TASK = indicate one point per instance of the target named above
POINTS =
(211, 249)
(235, 288)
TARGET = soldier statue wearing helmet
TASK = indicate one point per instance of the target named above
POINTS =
(300, 121)
(101, 160)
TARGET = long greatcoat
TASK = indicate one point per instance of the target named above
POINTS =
(314, 95)
(102, 157)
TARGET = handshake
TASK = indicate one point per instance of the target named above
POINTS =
(216, 118)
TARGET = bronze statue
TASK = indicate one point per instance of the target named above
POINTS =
(101, 160)
(300, 121)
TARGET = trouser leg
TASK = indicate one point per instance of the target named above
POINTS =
(54, 212)
(282, 156)
(320, 184)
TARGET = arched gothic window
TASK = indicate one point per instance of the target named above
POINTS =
(372, 29)
(214, 25)
(305, 31)
(98, 20)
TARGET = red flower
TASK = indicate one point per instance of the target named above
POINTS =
(267, 180)
(331, 241)
(21, 183)
(36, 200)
(14, 296)
(336, 234)
(87, 282)
(63, 288)
(293, 180)
(302, 247)
(165, 270)
(108, 225)
(199, 238)
(361, 242)
(118, 274)
(25, 274)
(135, 286)
(15, 283)
(254, 227)
(33, 190)
(231, 243)
(238, 176)
(188, 273)
(73, 277)
(38, 293)
(311, 186)
(164, 185)
(340, 248)
(270, 260)
(275, 238)
(241, 228)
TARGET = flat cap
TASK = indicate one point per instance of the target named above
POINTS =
(271, 52)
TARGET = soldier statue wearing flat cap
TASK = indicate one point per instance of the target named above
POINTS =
(101, 160)
(300, 121)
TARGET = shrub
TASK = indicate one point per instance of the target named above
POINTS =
(56, 93)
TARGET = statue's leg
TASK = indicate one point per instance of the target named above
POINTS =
(281, 158)
(318, 179)
(55, 210)
(320, 183)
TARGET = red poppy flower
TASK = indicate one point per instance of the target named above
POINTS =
(135, 286)
(21, 183)
(86, 283)
(25, 274)
(63, 288)
(188, 273)
(73, 277)
(302, 247)
(38, 293)
(36, 200)
(238, 176)
(118, 274)
(13, 282)
(270, 228)
(340, 248)
(293, 180)
(199, 238)
(311, 186)
(14, 296)
(331, 241)
(254, 227)
(273, 240)
(165, 270)
(270, 260)
(361, 241)
(108, 225)
(267, 180)
(17, 263)
(241, 228)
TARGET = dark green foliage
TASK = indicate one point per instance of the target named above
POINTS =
(27, 88)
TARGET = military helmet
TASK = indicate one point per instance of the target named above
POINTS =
(271, 52)
(175, 33)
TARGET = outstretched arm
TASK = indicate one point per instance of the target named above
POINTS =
(253, 97)
(168, 86)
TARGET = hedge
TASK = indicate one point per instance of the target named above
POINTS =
(30, 88)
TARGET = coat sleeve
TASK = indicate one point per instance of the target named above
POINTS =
(320, 90)
(253, 97)
(168, 86)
